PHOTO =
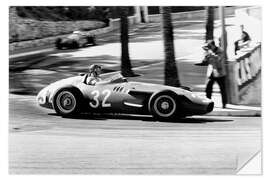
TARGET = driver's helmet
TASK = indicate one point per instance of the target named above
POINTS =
(94, 67)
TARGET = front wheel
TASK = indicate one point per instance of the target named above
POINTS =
(164, 106)
(67, 102)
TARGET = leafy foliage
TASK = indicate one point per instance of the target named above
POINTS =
(70, 13)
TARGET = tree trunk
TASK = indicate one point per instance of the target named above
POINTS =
(171, 73)
(209, 23)
(126, 68)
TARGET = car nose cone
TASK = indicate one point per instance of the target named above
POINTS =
(41, 100)
(41, 97)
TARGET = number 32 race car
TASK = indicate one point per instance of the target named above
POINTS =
(116, 95)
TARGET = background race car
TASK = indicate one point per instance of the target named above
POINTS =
(116, 95)
(75, 40)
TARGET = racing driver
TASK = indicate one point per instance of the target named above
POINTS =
(93, 76)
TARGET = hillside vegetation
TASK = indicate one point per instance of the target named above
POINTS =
(38, 23)
(69, 13)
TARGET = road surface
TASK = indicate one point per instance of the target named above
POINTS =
(42, 143)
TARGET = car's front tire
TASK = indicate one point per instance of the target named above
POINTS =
(164, 105)
(67, 101)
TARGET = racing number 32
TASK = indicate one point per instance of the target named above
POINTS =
(95, 102)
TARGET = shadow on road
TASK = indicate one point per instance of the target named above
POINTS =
(105, 117)
(202, 120)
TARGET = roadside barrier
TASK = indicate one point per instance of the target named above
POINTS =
(242, 71)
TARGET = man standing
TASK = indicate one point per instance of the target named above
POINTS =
(216, 71)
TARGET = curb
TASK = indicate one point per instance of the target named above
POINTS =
(234, 112)
(31, 53)
(241, 110)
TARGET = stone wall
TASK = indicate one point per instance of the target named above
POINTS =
(243, 71)
(244, 84)
(21, 29)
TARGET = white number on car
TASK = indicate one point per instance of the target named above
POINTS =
(95, 98)
(95, 102)
(107, 94)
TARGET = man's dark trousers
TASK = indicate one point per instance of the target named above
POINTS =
(221, 83)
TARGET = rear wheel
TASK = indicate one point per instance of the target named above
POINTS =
(91, 40)
(67, 102)
(75, 45)
(164, 106)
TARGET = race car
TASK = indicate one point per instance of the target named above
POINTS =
(117, 95)
(75, 40)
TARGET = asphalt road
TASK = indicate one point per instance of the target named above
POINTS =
(42, 143)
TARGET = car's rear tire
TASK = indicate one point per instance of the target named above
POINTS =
(67, 102)
(91, 40)
(164, 105)
(75, 45)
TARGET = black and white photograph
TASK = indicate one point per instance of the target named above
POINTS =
(135, 90)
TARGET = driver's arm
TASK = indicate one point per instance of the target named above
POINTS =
(103, 82)
(112, 79)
